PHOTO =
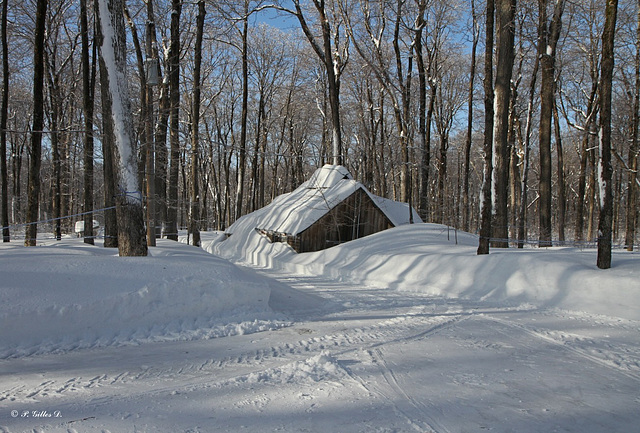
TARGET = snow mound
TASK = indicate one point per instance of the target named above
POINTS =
(68, 295)
(319, 368)
(439, 261)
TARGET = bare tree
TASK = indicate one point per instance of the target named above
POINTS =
(171, 225)
(579, 102)
(268, 60)
(606, 199)
(522, 211)
(153, 72)
(561, 182)
(112, 38)
(548, 41)
(486, 201)
(88, 83)
(4, 114)
(35, 150)
(242, 152)
(468, 139)
(394, 75)
(194, 212)
(632, 187)
(110, 191)
(334, 55)
(424, 126)
(505, 32)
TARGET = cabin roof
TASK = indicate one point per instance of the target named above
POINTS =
(329, 185)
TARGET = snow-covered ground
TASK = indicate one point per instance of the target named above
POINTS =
(403, 331)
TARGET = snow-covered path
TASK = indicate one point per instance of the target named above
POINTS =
(355, 359)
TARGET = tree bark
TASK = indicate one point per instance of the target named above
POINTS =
(562, 193)
(548, 41)
(606, 192)
(151, 53)
(423, 203)
(195, 129)
(174, 137)
(592, 110)
(402, 113)
(35, 150)
(467, 145)
(110, 218)
(87, 108)
(4, 114)
(632, 187)
(485, 198)
(131, 231)
(53, 82)
(505, 58)
(242, 152)
(160, 138)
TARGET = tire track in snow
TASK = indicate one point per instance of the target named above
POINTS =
(605, 361)
(340, 338)
(412, 410)
(406, 405)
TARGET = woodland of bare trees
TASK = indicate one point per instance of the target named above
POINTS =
(518, 121)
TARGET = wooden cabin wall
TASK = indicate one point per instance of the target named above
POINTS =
(355, 217)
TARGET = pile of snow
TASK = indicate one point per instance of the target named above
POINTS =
(69, 295)
(436, 260)
(318, 368)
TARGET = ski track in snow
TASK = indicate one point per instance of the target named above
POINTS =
(354, 348)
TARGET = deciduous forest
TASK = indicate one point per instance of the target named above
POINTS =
(515, 120)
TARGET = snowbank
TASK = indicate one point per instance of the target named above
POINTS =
(68, 295)
(435, 260)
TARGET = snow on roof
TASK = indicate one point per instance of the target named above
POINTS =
(327, 177)
(396, 211)
(296, 211)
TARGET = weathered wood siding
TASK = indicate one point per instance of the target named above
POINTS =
(355, 217)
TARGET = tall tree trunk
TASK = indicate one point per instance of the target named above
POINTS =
(4, 114)
(505, 32)
(150, 171)
(592, 110)
(54, 102)
(160, 138)
(256, 186)
(423, 203)
(467, 145)
(402, 113)
(146, 120)
(442, 177)
(632, 187)
(486, 201)
(88, 80)
(548, 41)
(562, 193)
(35, 150)
(112, 43)
(332, 64)
(592, 198)
(174, 137)
(522, 212)
(195, 129)
(606, 194)
(110, 218)
(242, 152)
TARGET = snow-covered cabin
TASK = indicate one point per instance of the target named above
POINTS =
(328, 209)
